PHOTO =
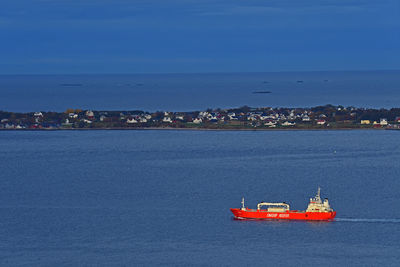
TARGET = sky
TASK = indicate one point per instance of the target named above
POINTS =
(180, 36)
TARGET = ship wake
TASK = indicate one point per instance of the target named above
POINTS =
(364, 220)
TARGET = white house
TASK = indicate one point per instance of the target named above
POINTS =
(231, 115)
(270, 124)
(167, 119)
(197, 120)
(131, 120)
(286, 123)
(203, 114)
(306, 117)
(383, 122)
(73, 115)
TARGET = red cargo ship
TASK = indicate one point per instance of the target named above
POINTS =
(316, 211)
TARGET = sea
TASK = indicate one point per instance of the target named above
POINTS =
(191, 92)
(162, 197)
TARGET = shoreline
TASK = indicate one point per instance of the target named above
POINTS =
(244, 118)
(194, 129)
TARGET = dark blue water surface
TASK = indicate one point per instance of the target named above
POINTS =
(188, 92)
(126, 198)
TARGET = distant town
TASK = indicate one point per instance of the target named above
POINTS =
(320, 117)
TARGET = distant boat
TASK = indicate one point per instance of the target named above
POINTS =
(262, 92)
(71, 84)
(300, 81)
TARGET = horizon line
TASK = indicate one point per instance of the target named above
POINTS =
(212, 109)
(189, 73)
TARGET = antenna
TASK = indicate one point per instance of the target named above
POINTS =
(243, 203)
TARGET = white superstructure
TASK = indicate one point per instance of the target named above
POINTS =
(316, 204)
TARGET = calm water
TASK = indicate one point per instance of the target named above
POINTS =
(188, 92)
(115, 198)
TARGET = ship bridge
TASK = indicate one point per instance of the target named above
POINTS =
(316, 204)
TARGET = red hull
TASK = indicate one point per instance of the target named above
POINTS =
(288, 215)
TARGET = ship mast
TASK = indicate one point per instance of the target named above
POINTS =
(243, 208)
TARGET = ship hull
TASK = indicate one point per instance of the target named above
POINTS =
(288, 215)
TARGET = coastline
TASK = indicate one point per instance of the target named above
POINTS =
(244, 118)
(196, 129)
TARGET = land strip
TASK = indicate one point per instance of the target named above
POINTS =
(243, 118)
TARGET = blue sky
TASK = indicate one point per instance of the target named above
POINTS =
(164, 36)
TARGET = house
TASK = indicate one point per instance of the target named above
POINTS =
(252, 118)
(232, 115)
(9, 126)
(73, 115)
(286, 123)
(197, 120)
(213, 118)
(292, 115)
(270, 124)
(167, 119)
(203, 114)
(306, 118)
(365, 122)
(131, 120)
(321, 122)
(89, 114)
(383, 122)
